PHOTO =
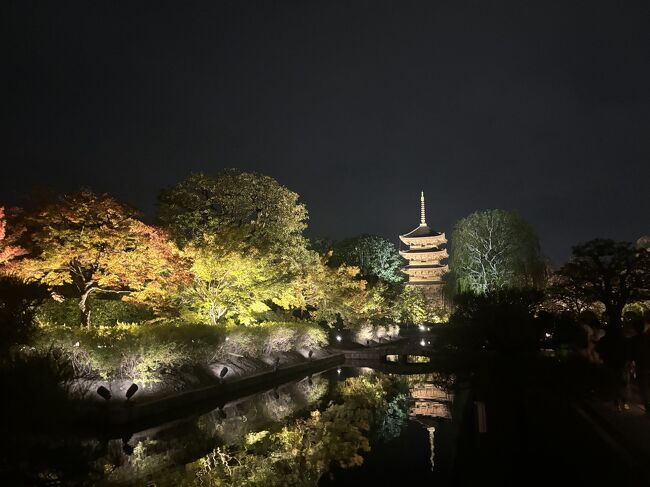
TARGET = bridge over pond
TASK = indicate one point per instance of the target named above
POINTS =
(407, 350)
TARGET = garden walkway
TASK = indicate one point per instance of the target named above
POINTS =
(627, 432)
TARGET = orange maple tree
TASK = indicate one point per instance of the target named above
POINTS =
(8, 251)
(85, 244)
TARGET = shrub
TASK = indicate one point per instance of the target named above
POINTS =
(144, 352)
(18, 303)
(105, 312)
(124, 351)
(363, 334)
(273, 337)
(367, 332)
(309, 337)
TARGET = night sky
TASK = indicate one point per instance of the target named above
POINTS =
(538, 107)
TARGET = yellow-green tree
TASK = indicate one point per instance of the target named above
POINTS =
(85, 244)
(331, 293)
(235, 284)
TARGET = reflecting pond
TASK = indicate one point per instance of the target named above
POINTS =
(344, 426)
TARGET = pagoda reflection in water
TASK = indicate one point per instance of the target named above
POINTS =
(429, 405)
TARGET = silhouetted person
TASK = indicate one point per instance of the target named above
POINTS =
(641, 355)
(613, 349)
(589, 322)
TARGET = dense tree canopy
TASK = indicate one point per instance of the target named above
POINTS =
(234, 206)
(613, 273)
(495, 249)
(376, 257)
(84, 244)
(231, 284)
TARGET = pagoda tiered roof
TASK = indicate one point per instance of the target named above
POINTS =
(423, 230)
(430, 252)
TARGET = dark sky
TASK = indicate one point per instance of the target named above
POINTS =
(538, 107)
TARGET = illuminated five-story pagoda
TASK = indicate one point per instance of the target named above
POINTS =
(426, 251)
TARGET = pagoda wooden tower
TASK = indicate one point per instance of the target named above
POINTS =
(425, 254)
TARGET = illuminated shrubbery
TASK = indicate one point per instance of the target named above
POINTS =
(270, 338)
(369, 332)
(143, 353)
(124, 351)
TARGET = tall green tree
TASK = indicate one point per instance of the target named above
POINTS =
(613, 273)
(233, 206)
(376, 257)
(84, 244)
(495, 249)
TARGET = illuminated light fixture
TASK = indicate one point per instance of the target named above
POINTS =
(338, 338)
(131, 391)
(338, 371)
(422, 342)
(103, 392)
(421, 327)
(548, 335)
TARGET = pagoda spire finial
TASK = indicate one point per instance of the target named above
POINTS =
(423, 220)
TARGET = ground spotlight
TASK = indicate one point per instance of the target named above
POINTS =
(131, 391)
(105, 393)
(223, 373)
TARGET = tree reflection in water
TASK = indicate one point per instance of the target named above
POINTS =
(302, 451)
(289, 436)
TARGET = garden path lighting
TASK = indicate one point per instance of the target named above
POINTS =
(103, 392)
(338, 338)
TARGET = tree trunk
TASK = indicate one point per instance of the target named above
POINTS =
(614, 315)
(84, 307)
